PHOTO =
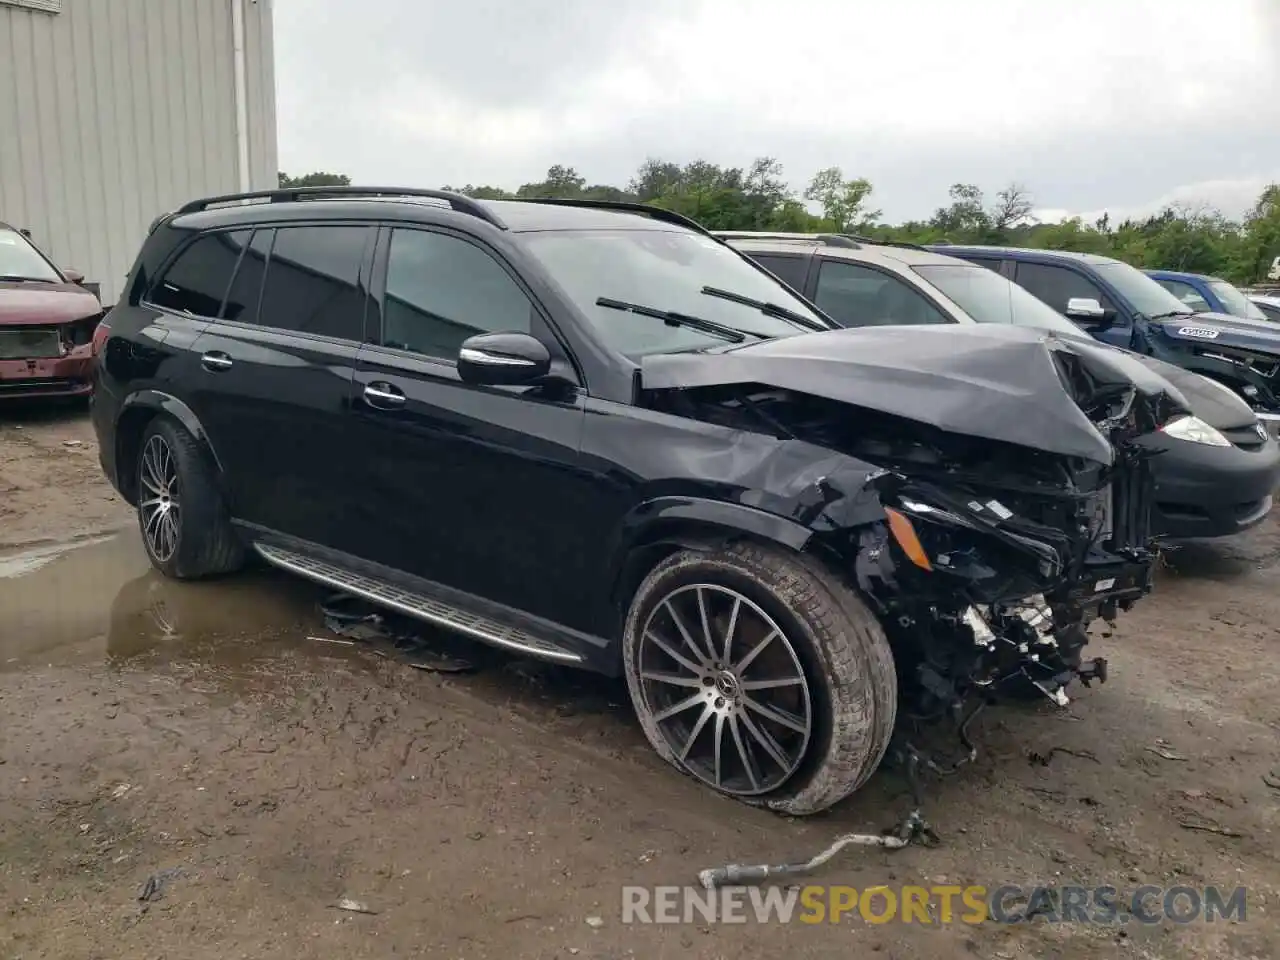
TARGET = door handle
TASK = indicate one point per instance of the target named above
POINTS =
(383, 396)
(215, 361)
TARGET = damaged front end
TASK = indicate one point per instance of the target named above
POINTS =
(990, 500)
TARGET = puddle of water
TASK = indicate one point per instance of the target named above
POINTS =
(101, 599)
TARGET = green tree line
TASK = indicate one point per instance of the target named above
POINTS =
(758, 197)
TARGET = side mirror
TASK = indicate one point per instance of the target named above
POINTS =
(1089, 312)
(503, 358)
(75, 276)
(1084, 308)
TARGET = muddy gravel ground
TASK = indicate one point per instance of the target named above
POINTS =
(206, 747)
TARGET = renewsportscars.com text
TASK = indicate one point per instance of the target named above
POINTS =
(932, 905)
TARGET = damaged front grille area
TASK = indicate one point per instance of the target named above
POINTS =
(1133, 496)
(30, 343)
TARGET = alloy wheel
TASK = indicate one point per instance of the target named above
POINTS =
(159, 504)
(724, 686)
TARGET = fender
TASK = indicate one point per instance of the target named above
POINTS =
(668, 519)
(157, 401)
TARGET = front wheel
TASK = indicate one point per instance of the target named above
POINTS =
(760, 674)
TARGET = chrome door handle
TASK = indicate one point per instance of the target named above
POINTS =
(215, 361)
(382, 395)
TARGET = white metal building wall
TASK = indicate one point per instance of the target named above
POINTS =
(115, 111)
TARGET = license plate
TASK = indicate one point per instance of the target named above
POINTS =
(29, 344)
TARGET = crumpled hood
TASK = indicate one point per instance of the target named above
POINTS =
(998, 382)
(1208, 329)
(40, 303)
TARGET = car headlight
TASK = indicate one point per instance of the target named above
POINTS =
(1195, 430)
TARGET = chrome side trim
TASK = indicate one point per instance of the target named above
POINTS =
(414, 604)
(485, 358)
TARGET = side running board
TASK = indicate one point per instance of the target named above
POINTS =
(415, 604)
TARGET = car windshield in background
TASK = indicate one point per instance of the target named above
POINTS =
(990, 298)
(19, 260)
(667, 271)
(1143, 293)
(1235, 302)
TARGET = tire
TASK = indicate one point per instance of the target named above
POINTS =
(828, 637)
(174, 476)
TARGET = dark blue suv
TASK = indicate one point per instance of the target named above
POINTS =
(1207, 294)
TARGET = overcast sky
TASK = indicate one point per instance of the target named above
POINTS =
(1120, 105)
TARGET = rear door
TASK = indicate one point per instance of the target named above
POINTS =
(477, 488)
(275, 382)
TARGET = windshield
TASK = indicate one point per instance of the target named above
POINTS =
(1235, 302)
(990, 298)
(1143, 293)
(19, 260)
(666, 270)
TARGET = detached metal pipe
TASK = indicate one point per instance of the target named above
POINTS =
(241, 95)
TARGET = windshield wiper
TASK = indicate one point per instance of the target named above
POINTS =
(673, 319)
(1171, 313)
(18, 278)
(768, 309)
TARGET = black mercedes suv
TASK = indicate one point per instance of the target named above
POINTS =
(596, 434)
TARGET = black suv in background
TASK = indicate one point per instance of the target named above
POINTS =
(595, 434)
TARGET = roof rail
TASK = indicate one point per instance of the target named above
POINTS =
(857, 237)
(657, 213)
(459, 202)
(829, 239)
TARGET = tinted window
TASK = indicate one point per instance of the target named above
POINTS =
(442, 290)
(197, 280)
(246, 288)
(313, 281)
(1186, 293)
(990, 298)
(994, 265)
(1057, 285)
(790, 270)
(857, 296)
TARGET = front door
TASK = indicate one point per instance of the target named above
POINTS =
(478, 488)
(1057, 285)
(276, 384)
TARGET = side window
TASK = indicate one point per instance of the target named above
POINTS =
(1187, 294)
(1057, 285)
(197, 280)
(313, 281)
(790, 270)
(857, 296)
(992, 265)
(246, 288)
(442, 290)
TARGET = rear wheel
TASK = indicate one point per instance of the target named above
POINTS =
(761, 675)
(184, 523)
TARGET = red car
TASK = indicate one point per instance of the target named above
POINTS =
(47, 322)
